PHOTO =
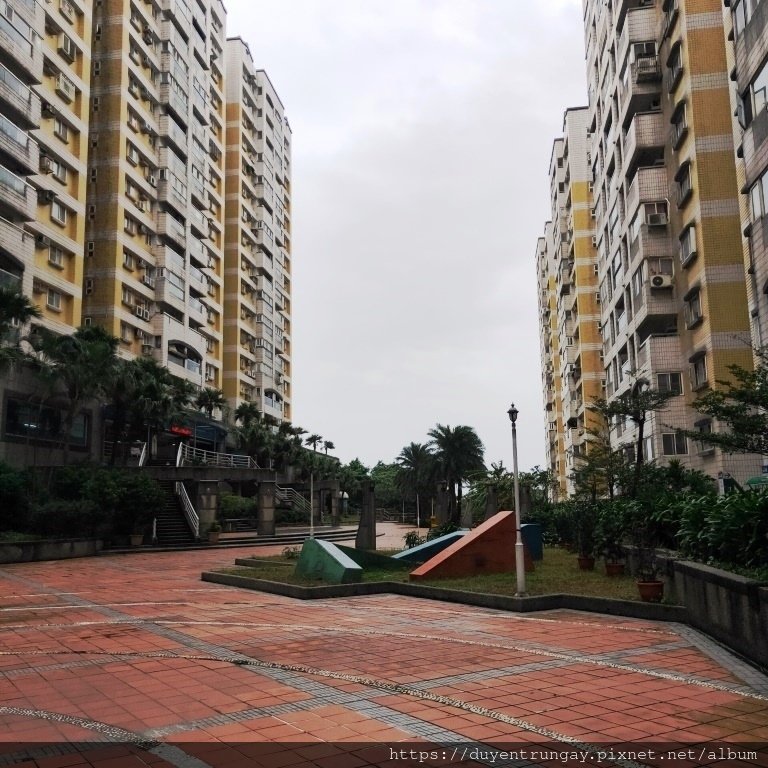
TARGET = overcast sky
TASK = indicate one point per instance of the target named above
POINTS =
(422, 131)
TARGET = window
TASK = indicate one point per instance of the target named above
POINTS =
(25, 420)
(56, 257)
(53, 301)
(130, 225)
(692, 308)
(58, 213)
(129, 262)
(61, 130)
(679, 125)
(704, 427)
(670, 382)
(698, 371)
(648, 449)
(684, 183)
(674, 444)
(59, 170)
(659, 266)
(675, 66)
(688, 245)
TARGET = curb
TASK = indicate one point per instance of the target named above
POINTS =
(605, 605)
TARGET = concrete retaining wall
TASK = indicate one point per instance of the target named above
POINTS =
(31, 551)
(732, 609)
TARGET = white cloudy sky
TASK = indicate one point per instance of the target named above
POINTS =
(422, 134)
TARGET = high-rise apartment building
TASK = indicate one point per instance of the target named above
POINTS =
(746, 24)
(665, 215)
(546, 266)
(257, 280)
(45, 72)
(155, 207)
(570, 302)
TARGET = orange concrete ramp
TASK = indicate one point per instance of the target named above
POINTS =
(489, 548)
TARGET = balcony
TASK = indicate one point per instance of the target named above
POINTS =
(655, 353)
(644, 141)
(199, 221)
(655, 311)
(175, 101)
(20, 54)
(178, 12)
(169, 227)
(640, 27)
(17, 198)
(21, 104)
(17, 242)
(651, 242)
(649, 185)
(18, 151)
(169, 129)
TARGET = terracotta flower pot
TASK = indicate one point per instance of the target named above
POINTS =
(213, 537)
(651, 591)
(614, 569)
(586, 563)
(137, 539)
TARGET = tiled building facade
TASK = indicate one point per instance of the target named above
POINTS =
(124, 171)
(666, 217)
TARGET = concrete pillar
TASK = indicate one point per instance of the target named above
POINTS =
(366, 532)
(206, 502)
(335, 512)
(441, 505)
(266, 509)
(491, 503)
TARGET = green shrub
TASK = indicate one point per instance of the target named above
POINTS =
(14, 499)
(231, 506)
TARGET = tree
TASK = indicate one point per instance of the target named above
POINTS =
(635, 404)
(209, 399)
(459, 452)
(328, 446)
(246, 413)
(15, 310)
(598, 471)
(77, 367)
(416, 470)
(742, 406)
(313, 440)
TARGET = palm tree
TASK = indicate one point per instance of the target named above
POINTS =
(459, 453)
(209, 399)
(120, 392)
(313, 440)
(77, 366)
(15, 310)
(415, 469)
(328, 446)
(246, 413)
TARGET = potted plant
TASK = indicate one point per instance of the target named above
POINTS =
(649, 585)
(214, 532)
(585, 526)
(137, 538)
(610, 534)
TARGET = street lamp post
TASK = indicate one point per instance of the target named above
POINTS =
(519, 549)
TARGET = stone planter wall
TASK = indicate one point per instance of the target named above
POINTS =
(732, 609)
(30, 551)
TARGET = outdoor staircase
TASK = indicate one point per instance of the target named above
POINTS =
(172, 527)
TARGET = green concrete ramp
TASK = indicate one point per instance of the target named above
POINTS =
(325, 561)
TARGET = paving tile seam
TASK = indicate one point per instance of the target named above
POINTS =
(534, 649)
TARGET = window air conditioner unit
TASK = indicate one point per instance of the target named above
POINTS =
(141, 205)
(42, 241)
(67, 48)
(656, 219)
(152, 179)
(46, 164)
(661, 281)
(49, 195)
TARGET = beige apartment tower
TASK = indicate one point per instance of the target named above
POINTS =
(257, 274)
(45, 73)
(672, 294)
(155, 204)
(569, 303)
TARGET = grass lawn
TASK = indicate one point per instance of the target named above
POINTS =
(557, 573)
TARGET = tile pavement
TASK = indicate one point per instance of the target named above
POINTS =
(131, 660)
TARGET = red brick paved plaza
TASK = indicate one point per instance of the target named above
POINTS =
(129, 660)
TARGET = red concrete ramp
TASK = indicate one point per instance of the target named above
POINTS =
(489, 548)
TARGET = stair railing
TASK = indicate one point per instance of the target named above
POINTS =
(297, 500)
(189, 511)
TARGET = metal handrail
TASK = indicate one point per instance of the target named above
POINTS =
(297, 499)
(212, 458)
(143, 456)
(189, 511)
